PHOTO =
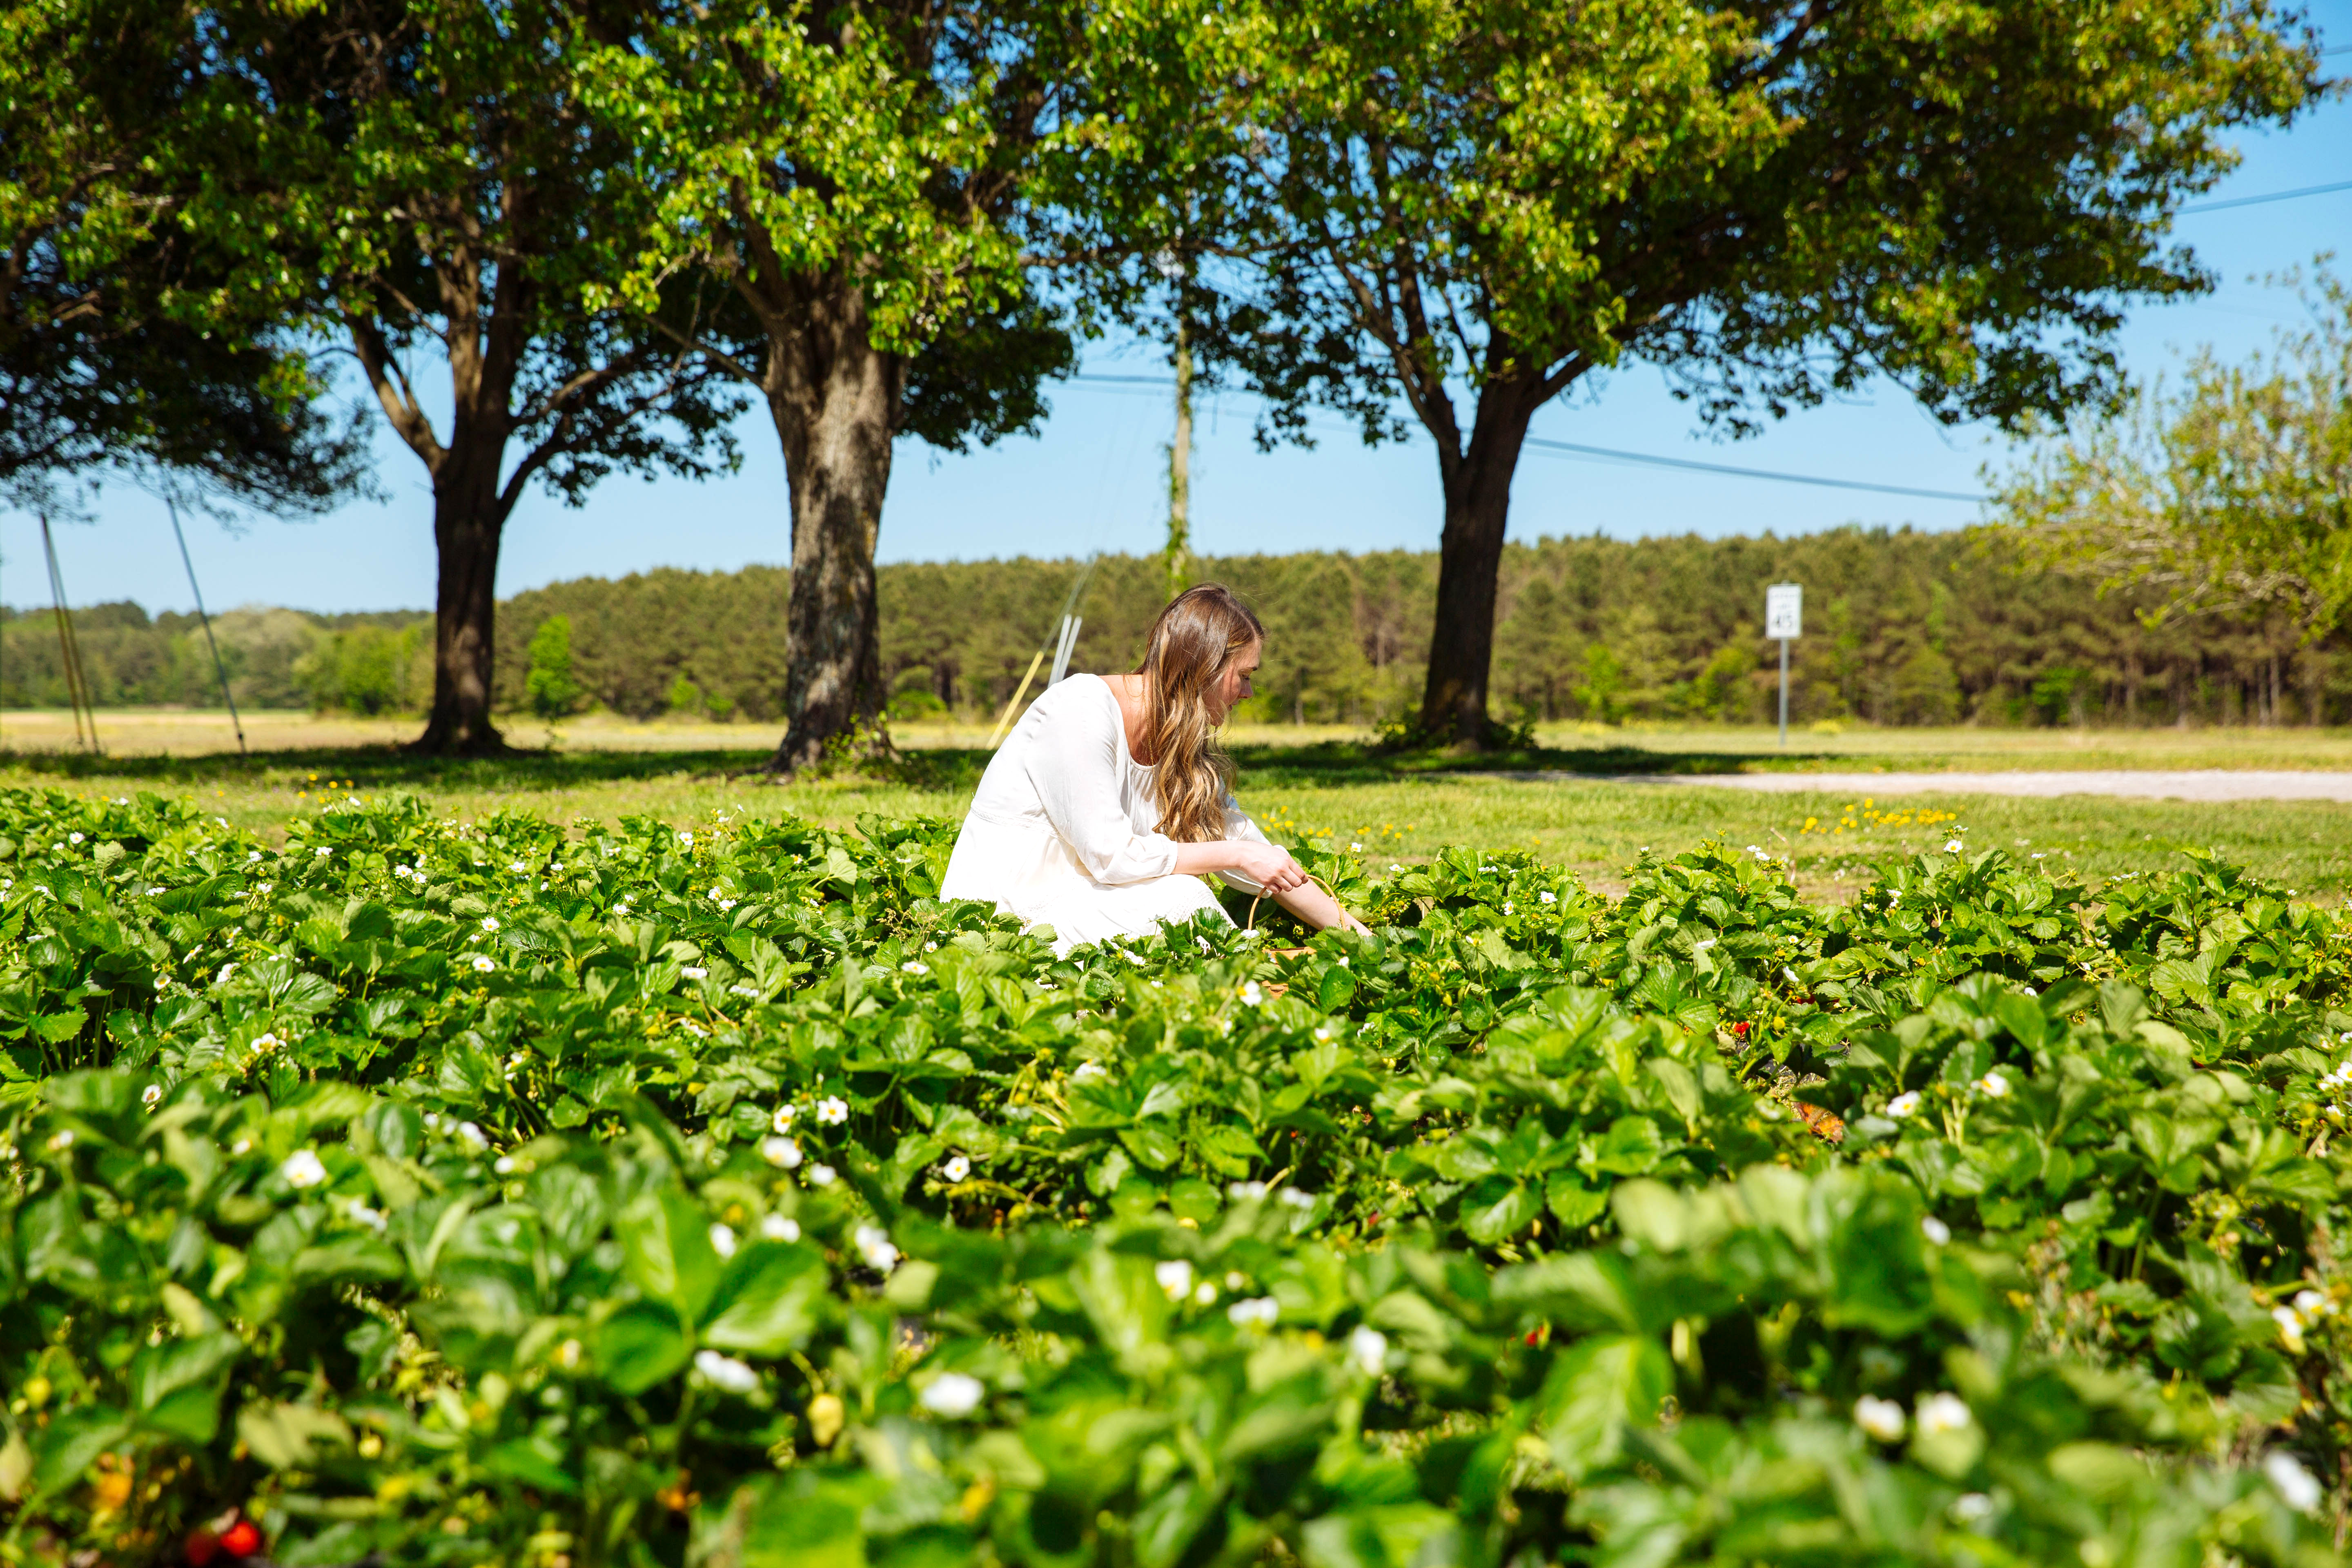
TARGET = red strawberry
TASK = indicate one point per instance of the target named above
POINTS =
(201, 1547)
(241, 1539)
(1740, 1027)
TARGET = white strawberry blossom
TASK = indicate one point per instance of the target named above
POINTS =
(873, 1245)
(2294, 1483)
(1941, 1413)
(725, 1372)
(1880, 1418)
(953, 1395)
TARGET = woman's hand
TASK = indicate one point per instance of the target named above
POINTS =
(1269, 867)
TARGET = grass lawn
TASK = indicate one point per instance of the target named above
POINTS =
(1326, 784)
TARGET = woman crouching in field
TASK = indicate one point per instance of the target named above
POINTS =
(1110, 800)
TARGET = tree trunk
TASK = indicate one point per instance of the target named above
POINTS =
(469, 520)
(835, 400)
(1469, 566)
(469, 504)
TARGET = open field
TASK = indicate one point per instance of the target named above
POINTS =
(1328, 786)
(1726, 748)
(1630, 748)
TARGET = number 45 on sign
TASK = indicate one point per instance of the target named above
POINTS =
(1784, 617)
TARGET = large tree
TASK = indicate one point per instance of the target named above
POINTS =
(441, 204)
(117, 348)
(885, 188)
(1451, 212)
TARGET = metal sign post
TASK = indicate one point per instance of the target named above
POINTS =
(1784, 617)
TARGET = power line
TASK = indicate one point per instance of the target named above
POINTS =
(1612, 453)
(2273, 196)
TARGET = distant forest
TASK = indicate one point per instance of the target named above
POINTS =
(1901, 628)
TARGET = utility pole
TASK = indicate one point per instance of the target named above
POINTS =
(1179, 463)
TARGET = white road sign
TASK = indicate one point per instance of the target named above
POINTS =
(1784, 610)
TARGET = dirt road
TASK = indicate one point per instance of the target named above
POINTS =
(2201, 784)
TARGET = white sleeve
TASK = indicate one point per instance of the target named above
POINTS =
(1073, 762)
(1239, 825)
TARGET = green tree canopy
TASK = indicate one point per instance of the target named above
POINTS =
(428, 188)
(1454, 211)
(118, 350)
(551, 690)
(888, 190)
(2231, 492)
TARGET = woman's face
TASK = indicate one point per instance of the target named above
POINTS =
(1233, 684)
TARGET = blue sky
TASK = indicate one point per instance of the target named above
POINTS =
(1094, 478)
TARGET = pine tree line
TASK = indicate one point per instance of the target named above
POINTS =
(1902, 628)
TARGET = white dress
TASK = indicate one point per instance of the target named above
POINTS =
(1064, 830)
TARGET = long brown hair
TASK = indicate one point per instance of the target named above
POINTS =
(1192, 643)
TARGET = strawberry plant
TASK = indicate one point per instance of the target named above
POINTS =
(418, 1190)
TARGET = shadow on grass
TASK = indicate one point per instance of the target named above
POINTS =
(942, 769)
(1349, 762)
(378, 767)
(394, 767)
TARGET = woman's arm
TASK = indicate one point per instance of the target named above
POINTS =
(1271, 869)
(1319, 909)
(1274, 871)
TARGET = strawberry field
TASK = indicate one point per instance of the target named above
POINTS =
(500, 1193)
